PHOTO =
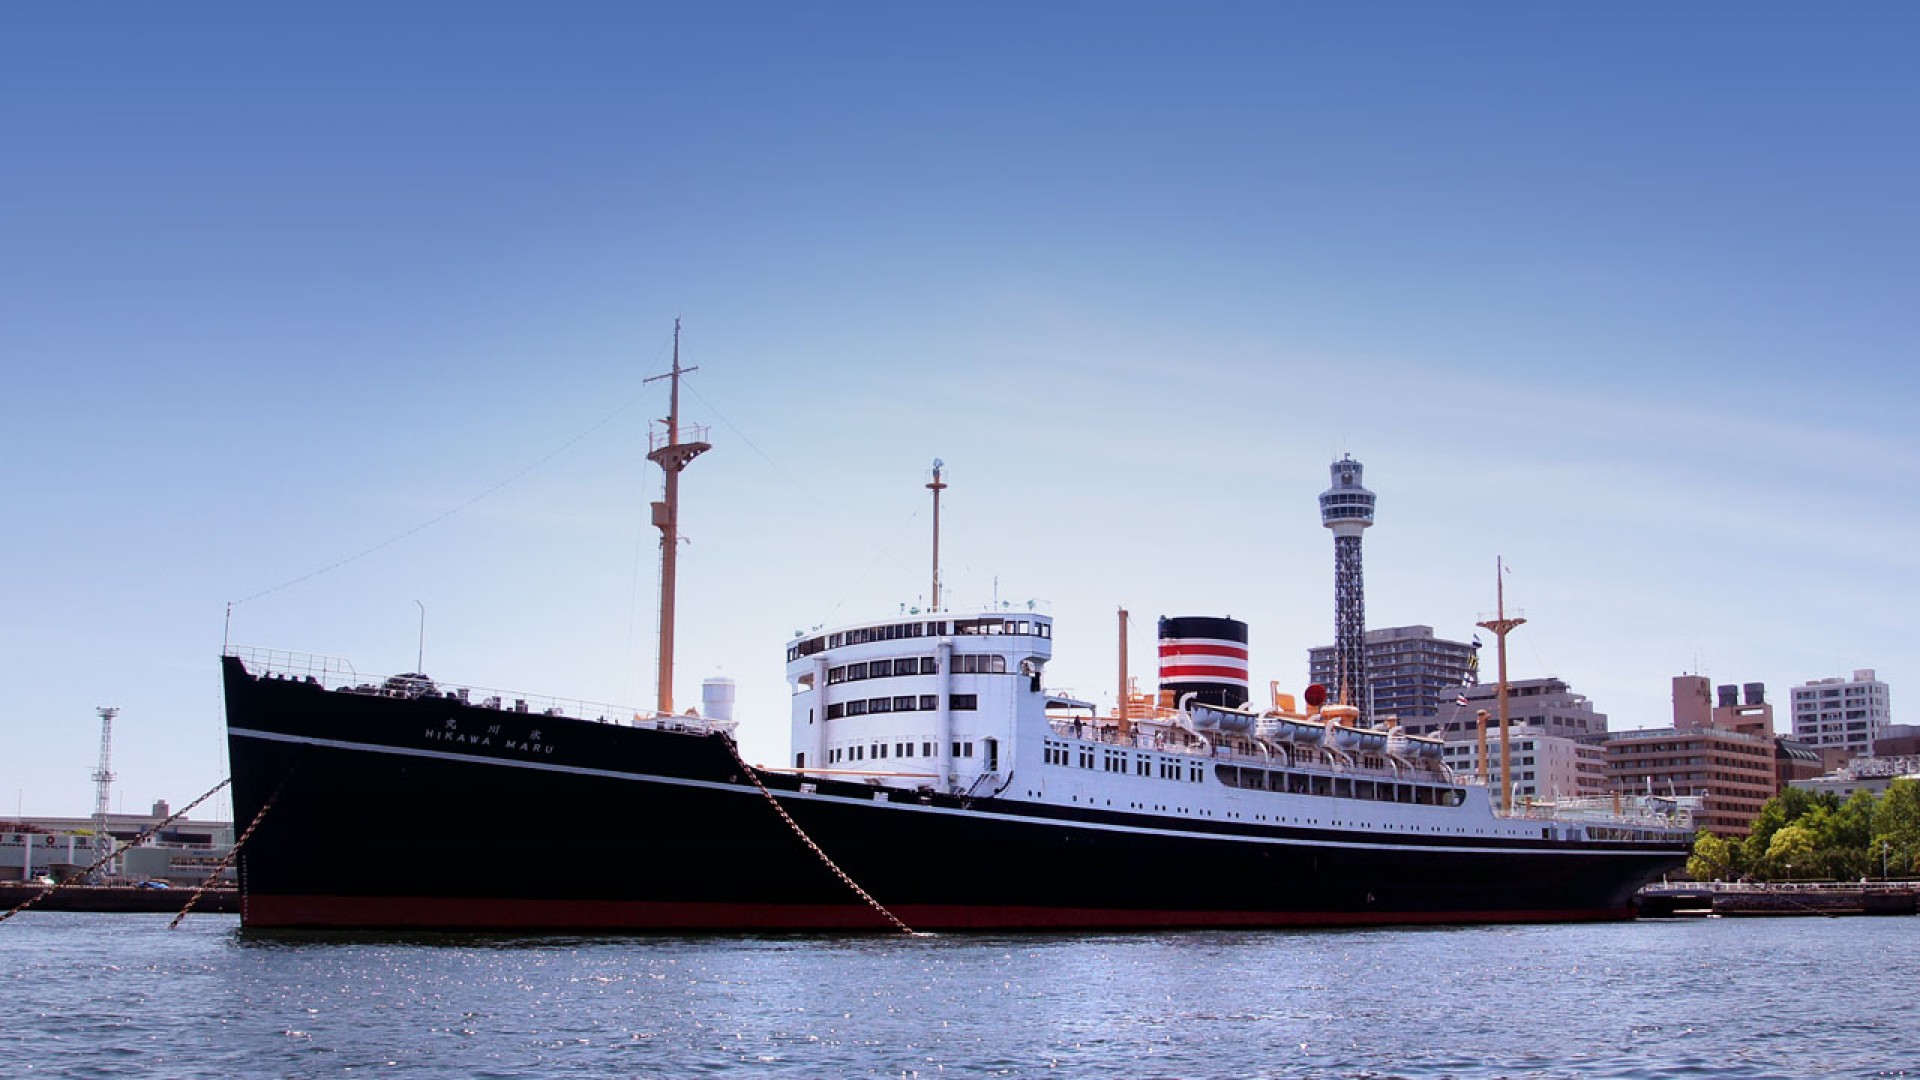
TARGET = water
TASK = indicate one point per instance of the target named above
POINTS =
(120, 995)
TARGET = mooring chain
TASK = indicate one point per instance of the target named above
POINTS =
(114, 854)
(863, 894)
(231, 853)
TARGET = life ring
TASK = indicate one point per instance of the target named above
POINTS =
(49, 840)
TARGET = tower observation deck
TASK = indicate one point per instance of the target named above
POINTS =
(1347, 509)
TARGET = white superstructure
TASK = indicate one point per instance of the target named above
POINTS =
(924, 702)
(953, 704)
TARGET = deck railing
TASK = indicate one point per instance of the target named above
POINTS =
(335, 674)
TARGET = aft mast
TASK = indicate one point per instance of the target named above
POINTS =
(1501, 624)
(672, 455)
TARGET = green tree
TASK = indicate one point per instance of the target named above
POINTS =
(1896, 828)
(1784, 809)
(1791, 851)
(1714, 858)
(1844, 837)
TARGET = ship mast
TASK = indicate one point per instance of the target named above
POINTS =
(672, 455)
(1500, 624)
(937, 486)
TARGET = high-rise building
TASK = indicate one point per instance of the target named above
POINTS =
(1347, 509)
(1411, 673)
(1844, 713)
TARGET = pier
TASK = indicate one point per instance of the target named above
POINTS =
(1741, 898)
(116, 898)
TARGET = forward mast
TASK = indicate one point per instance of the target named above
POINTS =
(673, 455)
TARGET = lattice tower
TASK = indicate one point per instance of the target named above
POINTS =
(103, 785)
(1347, 509)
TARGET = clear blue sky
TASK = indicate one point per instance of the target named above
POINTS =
(1627, 293)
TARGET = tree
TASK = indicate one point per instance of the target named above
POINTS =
(1844, 836)
(1896, 828)
(1784, 809)
(1791, 851)
(1714, 858)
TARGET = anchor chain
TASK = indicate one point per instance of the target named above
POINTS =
(231, 853)
(114, 854)
(846, 879)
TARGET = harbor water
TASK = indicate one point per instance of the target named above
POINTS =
(123, 996)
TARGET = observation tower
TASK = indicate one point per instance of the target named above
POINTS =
(1347, 509)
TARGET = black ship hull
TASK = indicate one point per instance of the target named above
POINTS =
(374, 811)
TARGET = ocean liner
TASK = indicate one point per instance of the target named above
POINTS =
(934, 782)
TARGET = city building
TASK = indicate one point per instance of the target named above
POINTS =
(1870, 774)
(1794, 761)
(1743, 708)
(1547, 706)
(1735, 772)
(184, 852)
(1545, 767)
(1898, 740)
(1410, 672)
(1845, 713)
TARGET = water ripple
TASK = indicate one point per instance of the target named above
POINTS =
(121, 996)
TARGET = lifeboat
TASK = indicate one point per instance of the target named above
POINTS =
(1234, 721)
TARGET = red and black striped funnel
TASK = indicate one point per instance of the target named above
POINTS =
(1206, 657)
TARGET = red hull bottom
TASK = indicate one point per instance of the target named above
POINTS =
(437, 913)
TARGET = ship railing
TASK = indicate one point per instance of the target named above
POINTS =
(331, 672)
(1632, 811)
(659, 438)
(1106, 734)
(335, 674)
(1880, 885)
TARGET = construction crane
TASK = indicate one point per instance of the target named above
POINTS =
(103, 791)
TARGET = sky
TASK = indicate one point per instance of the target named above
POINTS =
(342, 314)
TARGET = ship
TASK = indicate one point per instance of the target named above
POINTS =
(934, 783)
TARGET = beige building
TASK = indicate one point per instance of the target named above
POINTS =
(1547, 706)
(1545, 767)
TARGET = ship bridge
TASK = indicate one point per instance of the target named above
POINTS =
(928, 701)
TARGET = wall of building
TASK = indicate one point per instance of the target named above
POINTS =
(1734, 771)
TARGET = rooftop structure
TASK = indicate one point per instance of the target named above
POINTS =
(1863, 774)
(1547, 706)
(1742, 708)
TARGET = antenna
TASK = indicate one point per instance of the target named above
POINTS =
(103, 788)
(420, 658)
(937, 486)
